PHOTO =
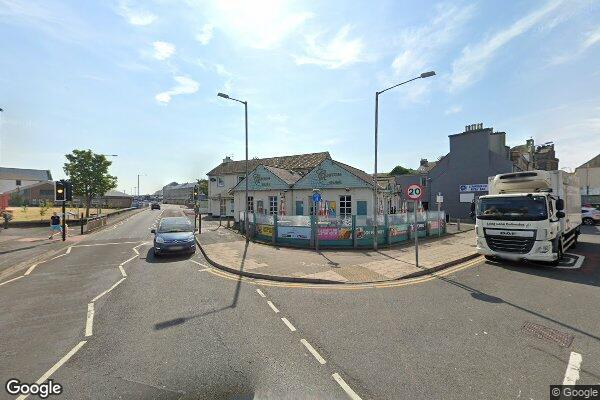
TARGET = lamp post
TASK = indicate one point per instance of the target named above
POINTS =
(245, 103)
(375, 211)
(138, 186)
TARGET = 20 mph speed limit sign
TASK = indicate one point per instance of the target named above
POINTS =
(414, 192)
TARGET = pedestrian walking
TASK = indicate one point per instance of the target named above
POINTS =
(54, 225)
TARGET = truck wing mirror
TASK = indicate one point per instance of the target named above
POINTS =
(560, 204)
(560, 214)
(153, 231)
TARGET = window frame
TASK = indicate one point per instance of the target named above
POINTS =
(250, 203)
(345, 205)
(273, 205)
(220, 181)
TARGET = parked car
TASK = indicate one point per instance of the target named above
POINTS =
(590, 216)
(155, 206)
(174, 235)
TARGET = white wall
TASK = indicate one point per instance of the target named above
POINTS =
(214, 191)
(10, 184)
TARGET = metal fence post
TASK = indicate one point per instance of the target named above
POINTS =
(354, 231)
(81, 223)
(274, 238)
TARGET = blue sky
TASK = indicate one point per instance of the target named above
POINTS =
(139, 79)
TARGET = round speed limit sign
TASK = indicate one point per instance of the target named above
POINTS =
(414, 191)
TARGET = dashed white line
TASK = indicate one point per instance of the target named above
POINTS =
(272, 306)
(351, 393)
(129, 259)
(260, 293)
(108, 290)
(573, 368)
(56, 366)
(312, 351)
(69, 250)
(30, 269)
(89, 322)
(11, 280)
(288, 324)
(123, 273)
(59, 256)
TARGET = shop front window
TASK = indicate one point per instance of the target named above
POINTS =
(345, 205)
(273, 205)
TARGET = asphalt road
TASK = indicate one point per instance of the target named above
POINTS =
(173, 328)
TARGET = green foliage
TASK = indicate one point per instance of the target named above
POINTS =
(88, 173)
(203, 185)
(45, 205)
(400, 170)
(15, 200)
(24, 207)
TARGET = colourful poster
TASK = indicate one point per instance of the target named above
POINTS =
(265, 230)
(293, 232)
(329, 233)
(398, 230)
(366, 232)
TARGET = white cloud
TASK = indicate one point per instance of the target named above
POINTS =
(185, 86)
(453, 110)
(205, 34)
(261, 24)
(135, 17)
(591, 38)
(474, 59)
(337, 53)
(220, 69)
(163, 50)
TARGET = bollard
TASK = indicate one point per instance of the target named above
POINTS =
(458, 224)
(81, 223)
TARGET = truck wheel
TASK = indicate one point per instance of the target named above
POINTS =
(490, 258)
(560, 253)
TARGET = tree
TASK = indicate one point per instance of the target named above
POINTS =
(44, 207)
(203, 186)
(88, 173)
(400, 170)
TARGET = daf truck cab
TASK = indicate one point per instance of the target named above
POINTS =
(532, 215)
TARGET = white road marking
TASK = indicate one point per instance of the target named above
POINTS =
(200, 264)
(573, 368)
(351, 393)
(312, 350)
(577, 264)
(129, 259)
(135, 249)
(69, 250)
(56, 366)
(123, 273)
(10, 280)
(59, 256)
(89, 322)
(260, 292)
(108, 290)
(30, 269)
(204, 269)
(101, 244)
(289, 324)
(272, 306)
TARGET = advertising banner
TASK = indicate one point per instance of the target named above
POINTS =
(433, 225)
(329, 233)
(265, 230)
(398, 230)
(294, 232)
(366, 232)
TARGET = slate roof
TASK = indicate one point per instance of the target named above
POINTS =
(25, 174)
(593, 163)
(285, 175)
(299, 162)
(359, 173)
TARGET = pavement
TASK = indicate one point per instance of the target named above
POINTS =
(229, 250)
(108, 320)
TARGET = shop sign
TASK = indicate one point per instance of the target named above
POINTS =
(329, 233)
(261, 181)
(265, 230)
(293, 232)
(328, 177)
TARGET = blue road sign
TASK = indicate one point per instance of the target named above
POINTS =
(316, 197)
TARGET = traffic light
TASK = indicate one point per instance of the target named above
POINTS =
(195, 192)
(63, 191)
(59, 191)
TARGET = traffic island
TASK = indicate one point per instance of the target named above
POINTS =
(229, 251)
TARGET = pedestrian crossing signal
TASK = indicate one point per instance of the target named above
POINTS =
(63, 191)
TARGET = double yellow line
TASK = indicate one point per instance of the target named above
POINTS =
(359, 286)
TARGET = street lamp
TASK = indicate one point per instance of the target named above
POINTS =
(245, 103)
(423, 75)
(138, 186)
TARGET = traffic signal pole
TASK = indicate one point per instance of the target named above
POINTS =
(64, 221)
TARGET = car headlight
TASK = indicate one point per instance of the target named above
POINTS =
(160, 240)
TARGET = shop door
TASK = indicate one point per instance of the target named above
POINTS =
(299, 207)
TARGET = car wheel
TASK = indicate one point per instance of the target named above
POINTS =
(588, 221)
(490, 258)
(156, 254)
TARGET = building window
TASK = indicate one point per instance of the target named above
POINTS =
(273, 205)
(423, 181)
(251, 204)
(260, 207)
(18, 182)
(220, 182)
(345, 205)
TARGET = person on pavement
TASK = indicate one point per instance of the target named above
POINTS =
(54, 225)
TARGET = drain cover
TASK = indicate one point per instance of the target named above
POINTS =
(543, 332)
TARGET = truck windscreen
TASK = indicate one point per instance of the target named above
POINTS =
(518, 208)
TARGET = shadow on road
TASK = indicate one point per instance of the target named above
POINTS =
(180, 320)
(165, 258)
(27, 247)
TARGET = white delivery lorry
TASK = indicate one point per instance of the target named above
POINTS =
(531, 215)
